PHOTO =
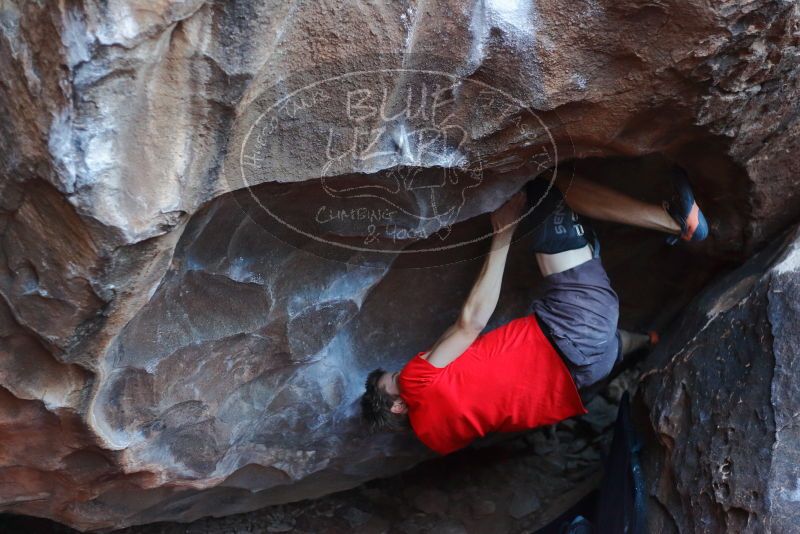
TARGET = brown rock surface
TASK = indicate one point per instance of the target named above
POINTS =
(166, 357)
(722, 403)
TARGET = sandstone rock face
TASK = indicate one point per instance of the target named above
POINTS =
(168, 351)
(723, 406)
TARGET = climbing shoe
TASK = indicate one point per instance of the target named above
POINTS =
(653, 338)
(683, 208)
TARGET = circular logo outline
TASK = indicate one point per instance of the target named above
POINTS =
(454, 79)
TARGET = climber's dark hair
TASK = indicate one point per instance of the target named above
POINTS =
(376, 406)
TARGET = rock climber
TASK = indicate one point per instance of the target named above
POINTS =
(530, 371)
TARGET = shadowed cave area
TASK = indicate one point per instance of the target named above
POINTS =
(247, 376)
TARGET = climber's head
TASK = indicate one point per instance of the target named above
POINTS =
(381, 405)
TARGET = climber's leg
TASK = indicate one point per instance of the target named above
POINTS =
(679, 216)
(603, 203)
(633, 341)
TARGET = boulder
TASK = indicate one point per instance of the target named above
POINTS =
(721, 403)
(214, 214)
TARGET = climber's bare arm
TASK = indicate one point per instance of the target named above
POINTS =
(452, 343)
(477, 309)
(482, 299)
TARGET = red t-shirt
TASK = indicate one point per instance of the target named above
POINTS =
(509, 379)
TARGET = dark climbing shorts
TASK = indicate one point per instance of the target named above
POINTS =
(578, 310)
(553, 226)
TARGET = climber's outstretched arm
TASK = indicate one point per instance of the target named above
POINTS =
(483, 297)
